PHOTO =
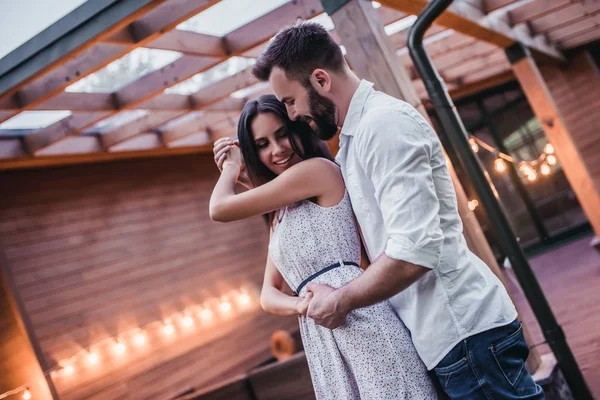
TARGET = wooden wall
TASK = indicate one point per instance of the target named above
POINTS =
(576, 91)
(96, 250)
(18, 363)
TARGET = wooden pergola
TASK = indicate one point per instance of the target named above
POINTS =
(467, 47)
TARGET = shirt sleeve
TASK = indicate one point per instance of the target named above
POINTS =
(395, 150)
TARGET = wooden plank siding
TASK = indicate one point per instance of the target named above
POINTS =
(576, 91)
(96, 250)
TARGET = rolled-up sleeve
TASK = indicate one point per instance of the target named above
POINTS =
(395, 150)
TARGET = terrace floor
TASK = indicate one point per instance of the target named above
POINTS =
(570, 278)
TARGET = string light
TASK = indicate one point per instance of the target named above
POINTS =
(500, 165)
(140, 339)
(551, 159)
(545, 169)
(67, 368)
(473, 204)
(474, 145)
(92, 358)
(549, 149)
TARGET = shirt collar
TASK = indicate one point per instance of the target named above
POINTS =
(355, 108)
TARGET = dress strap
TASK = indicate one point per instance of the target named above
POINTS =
(316, 274)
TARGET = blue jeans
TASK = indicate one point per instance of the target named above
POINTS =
(489, 366)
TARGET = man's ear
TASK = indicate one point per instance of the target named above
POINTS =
(321, 80)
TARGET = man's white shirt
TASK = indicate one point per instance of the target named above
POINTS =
(402, 194)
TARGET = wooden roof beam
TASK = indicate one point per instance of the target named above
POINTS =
(92, 55)
(535, 9)
(466, 18)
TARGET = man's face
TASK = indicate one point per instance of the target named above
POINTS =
(305, 104)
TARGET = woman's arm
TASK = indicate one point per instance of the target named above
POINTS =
(274, 301)
(307, 179)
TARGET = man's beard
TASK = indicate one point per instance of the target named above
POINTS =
(322, 111)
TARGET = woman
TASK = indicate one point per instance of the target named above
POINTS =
(314, 238)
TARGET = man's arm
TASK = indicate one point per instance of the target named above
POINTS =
(395, 153)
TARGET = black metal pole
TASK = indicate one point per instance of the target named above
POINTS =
(456, 132)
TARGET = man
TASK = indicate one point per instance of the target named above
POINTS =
(463, 323)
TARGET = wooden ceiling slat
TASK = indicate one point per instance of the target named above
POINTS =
(400, 39)
(11, 148)
(581, 39)
(179, 131)
(73, 145)
(79, 102)
(570, 30)
(168, 101)
(492, 5)
(476, 64)
(535, 9)
(144, 141)
(224, 88)
(44, 137)
(150, 85)
(262, 29)
(190, 43)
(565, 16)
(137, 127)
(469, 20)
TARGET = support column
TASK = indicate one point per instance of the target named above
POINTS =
(370, 54)
(566, 101)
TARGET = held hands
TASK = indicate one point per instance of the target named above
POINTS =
(302, 304)
(323, 308)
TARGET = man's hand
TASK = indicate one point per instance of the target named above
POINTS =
(324, 308)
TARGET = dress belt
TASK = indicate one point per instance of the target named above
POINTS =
(329, 268)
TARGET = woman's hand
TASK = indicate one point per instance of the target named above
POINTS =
(302, 304)
(221, 149)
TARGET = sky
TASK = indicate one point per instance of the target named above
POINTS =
(20, 20)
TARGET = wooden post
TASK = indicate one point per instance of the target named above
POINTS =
(566, 100)
(370, 53)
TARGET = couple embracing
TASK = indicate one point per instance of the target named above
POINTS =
(426, 319)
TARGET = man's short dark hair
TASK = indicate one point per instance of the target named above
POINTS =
(298, 50)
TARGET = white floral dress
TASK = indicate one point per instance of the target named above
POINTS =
(371, 357)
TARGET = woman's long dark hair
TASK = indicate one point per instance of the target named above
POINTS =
(296, 131)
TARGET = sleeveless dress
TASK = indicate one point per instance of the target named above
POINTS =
(372, 356)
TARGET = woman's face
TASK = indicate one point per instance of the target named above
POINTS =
(274, 148)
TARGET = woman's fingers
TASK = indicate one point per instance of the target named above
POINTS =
(221, 159)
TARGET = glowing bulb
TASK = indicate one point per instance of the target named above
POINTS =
(225, 306)
(120, 347)
(206, 314)
(376, 4)
(545, 169)
(169, 328)
(474, 145)
(551, 159)
(244, 299)
(473, 204)
(188, 321)
(525, 169)
(549, 149)
(532, 176)
(500, 165)
(69, 370)
(140, 339)
(92, 358)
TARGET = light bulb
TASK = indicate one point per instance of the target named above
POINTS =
(532, 176)
(474, 145)
(140, 339)
(27, 394)
(188, 321)
(69, 370)
(549, 149)
(92, 358)
(376, 4)
(120, 347)
(225, 306)
(551, 159)
(500, 165)
(545, 169)
(473, 204)
(169, 329)
(206, 314)
(244, 298)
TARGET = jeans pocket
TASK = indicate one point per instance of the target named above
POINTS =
(452, 375)
(510, 354)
